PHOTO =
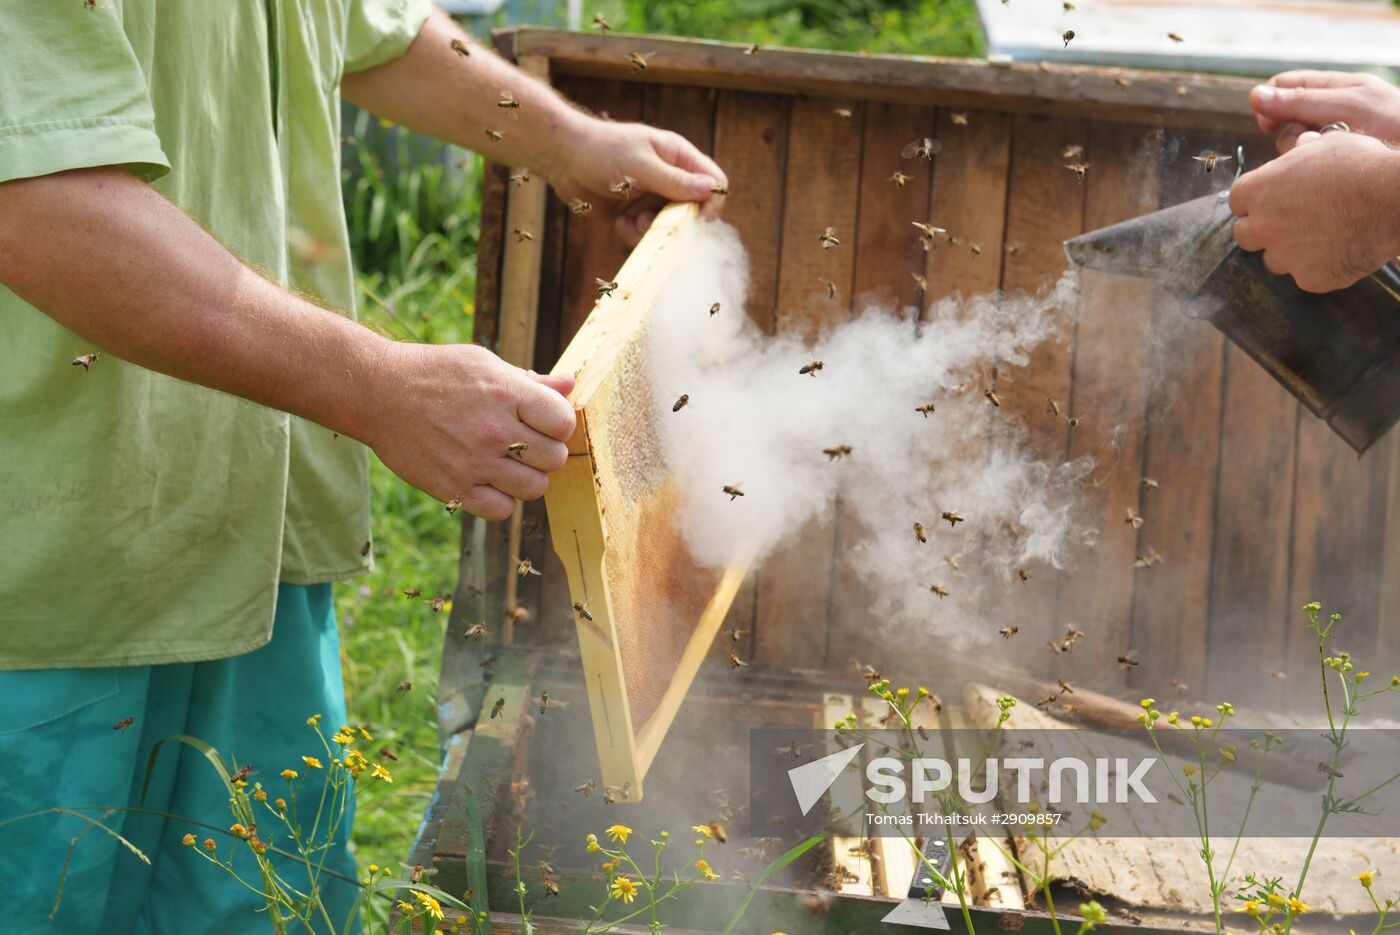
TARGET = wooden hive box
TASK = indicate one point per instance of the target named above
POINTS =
(1258, 508)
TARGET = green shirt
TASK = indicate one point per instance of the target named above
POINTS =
(144, 520)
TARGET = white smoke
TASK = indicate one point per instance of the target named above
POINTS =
(754, 422)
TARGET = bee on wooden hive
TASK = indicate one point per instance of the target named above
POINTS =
(733, 491)
(939, 589)
(959, 118)
(1068, 36)
(461, 48)
(638, 60)
(829, 285)
(751, 49)
(920, 282)
(714, 310)
(1149, 483)
(954, 517)
(86, 360)
(412, 592)
(494, 136)
(925, 409)
(811, 368)
(624, 186)
(521, 234)
(1079, 168)
(924, 148)
(680, 402)
(1073, 422)
(581, 609)
(920, 532)
(509, 104)
(525, 567)
(1132, 519)
(1009, 631)
(517, 448)
(600, 24)
(475, 630)
(579, 207)
(520, 177)
(836, 452)
(124, 723)
(605, 286)
(828, 239)
(899, 178)
(1209, 159)
(1147, 560)
(734, 661)
(586, 788)
(498, 707)
(1127, 660)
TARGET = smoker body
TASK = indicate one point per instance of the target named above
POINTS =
(1337, 352)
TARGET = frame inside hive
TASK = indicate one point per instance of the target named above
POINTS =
(613, 519)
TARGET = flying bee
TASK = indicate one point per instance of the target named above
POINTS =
(1180, 686)
(521, 234)
(1023, 573)
(976, 250)
(417, 872)
(579, 207)
(498, 708)
(680, 402)
(638, 60)
(364, 549)
(461, 48)
(920, 282)
(1047, 701)
(734, 661)
(475, 630)
(924, 148)
(124, 723)
(525, 567)
(582, 610)
(843, 112)
(488, 662)
(600, 24)
(836, 452)
(920, 532)
(516, 614)
(1069, 7)
(959, 118)
(1079, 168)
(404, 687)
(1148, 559)
(1073, 422)
(1327, 769)
(551, 887)
(1072, 152)
(86, 360)
(830, 286)
(494, 136)
(241, 776)
(605, 286)
(453, 505)
(929, 231)
(412, 592)
(624, 186)
(828, 239)
(992, 398)
(438, 602)
(1149, 483)
(510, 104)
(546, 703)
(867, 672)
(1012, 249)
(793, 750)
(1065, 686)
(714, 310)
(952, 562)
(720, 190)
(810, 369)
(735, 633)
(1209, 159)
(586, 788)
(717, 830)
(1121, 81)
(954, 517)
(1127, 661)
(733, 491)
(1068, 36)
(925, 409)
(939, 589)
(899, 178)
(1009, 631)
(1132, 519)
(518, 448)
(1174, 37)
(388, 754)
(751, 49)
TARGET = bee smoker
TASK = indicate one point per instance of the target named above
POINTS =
(1337, 352)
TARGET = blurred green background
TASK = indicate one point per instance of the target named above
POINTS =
(414, 219)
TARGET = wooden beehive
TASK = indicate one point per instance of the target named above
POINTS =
(1259, 507)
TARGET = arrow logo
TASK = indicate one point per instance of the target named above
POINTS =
(811, 780)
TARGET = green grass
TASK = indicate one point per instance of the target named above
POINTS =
(413, 211)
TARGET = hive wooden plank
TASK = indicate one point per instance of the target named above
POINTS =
(1108, 394)
(1186, 99)
(689, 111)
(1044, 207)
(969, 199)
(823, 166)
(645, 626)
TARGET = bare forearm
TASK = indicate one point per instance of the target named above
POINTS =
(436, 90)
(113, 261)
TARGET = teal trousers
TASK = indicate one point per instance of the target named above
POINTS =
(61, 745)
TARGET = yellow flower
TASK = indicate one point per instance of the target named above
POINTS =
(405, 906)
(923, 692)
(702, 829)
(312, 762)
(1252, 907)
(1361, 676)
(289, 774)
(1196, 720)
(619, 833)
(1365, 877)
(381, 773)
(341, 738)
(902, 692)
(259, 794)
(1173, 717)
(364, 733)
(433, 907)
(592, 841)
(1207, 721)
(238, 830)
(703, 866)
(281, 804)
(1277, 901)
(188, 841)
(609, 867)
(313, 720)
(1147, 702)
(623, 889)
(373, 868)
(209, 845)
(1297, 906)
(1188, 770)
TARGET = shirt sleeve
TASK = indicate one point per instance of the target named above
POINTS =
(72, 92)
(380, 31)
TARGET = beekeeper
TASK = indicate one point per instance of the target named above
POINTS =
(1324, 212)
(176, 281)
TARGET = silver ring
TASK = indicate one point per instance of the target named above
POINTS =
(1338, 125)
